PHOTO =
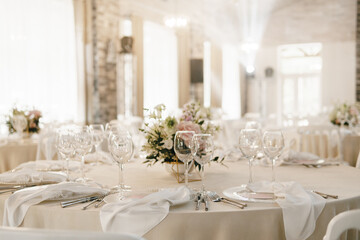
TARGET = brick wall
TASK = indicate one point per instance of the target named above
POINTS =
(358, 52)
(105, 30)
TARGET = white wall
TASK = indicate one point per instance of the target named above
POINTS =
(338, 76)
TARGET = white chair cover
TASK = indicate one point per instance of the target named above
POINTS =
(322, 140)
(342, 222)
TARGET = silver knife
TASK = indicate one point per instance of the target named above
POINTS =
(206, 201)
(83, 200)
(198, 200)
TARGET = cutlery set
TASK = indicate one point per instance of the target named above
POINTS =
(214, 197)
(325, 195)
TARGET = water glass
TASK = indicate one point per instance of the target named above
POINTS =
(202, 150)
(250, 144)
(83, 144)
(65, 146)
(97, 134)
(273, 145)
(182, 148)
(121, 149)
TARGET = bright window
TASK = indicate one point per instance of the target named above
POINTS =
(231, 82)
(37, 60)
(300, 72)
(160, 67)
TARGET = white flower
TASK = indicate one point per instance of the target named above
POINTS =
(168, 143)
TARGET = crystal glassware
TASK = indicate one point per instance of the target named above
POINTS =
(250, 144)
(97, 134)
(202, 150)
(273, 144)
(83, 143)
(121, 149)
(182, 148)
(65, 146)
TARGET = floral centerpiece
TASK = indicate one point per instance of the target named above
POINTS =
(32, 117)
(160, 131)
(345, 114)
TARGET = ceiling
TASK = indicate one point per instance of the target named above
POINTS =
(270, 21)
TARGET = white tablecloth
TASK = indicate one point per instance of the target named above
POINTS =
(257, 221)
(13, 153)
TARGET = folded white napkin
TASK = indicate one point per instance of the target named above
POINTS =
(100, 156)
(28, 176)
(47, 165)
(301, 157)
(300, 208)
(18, 203)
(141, 215)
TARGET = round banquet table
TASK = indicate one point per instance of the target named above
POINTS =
(257, 221)
(15, 152)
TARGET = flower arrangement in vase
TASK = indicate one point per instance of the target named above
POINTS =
(345, 114)
(160, 131)
(32, 120)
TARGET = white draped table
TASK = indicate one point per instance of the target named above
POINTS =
(15, 152)
(257, 221)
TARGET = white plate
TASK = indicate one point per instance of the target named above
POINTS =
(238, 193)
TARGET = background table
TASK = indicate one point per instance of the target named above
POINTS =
(257, 221)
(16, 152)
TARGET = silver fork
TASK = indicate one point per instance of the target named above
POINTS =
(216, 198)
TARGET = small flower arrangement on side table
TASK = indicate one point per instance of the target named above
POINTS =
(160, 131)
(345, 115)
(31, 120)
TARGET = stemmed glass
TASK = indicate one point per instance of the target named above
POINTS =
(97, 133)
(65, 146)
(273, 144)
(182, 148)
(121, 149)
(19, 123)
(83, 144)
(202, 150)
(250, 144)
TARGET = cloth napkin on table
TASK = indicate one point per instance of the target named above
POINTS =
(48, 165)
(29, 176)
(100, 156)
(18, 203)
(301, 157)
(141, 215)
(300, 208)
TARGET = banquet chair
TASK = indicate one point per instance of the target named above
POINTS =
(341, 222)
(322, 140)
(358, 161)
(45, 234)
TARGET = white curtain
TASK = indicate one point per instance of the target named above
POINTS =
(37, 57)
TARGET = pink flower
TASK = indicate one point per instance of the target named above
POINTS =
(188, 126)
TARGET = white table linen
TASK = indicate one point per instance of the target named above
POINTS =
(15, 152)
(257, 221)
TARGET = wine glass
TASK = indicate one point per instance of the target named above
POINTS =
(97, 133)
(252, 125)
(19, 123)
(250, 144)
(202, 150)
(182, 148)
(121, 149)
(65, 146)
(273, 144)
(83, 143)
